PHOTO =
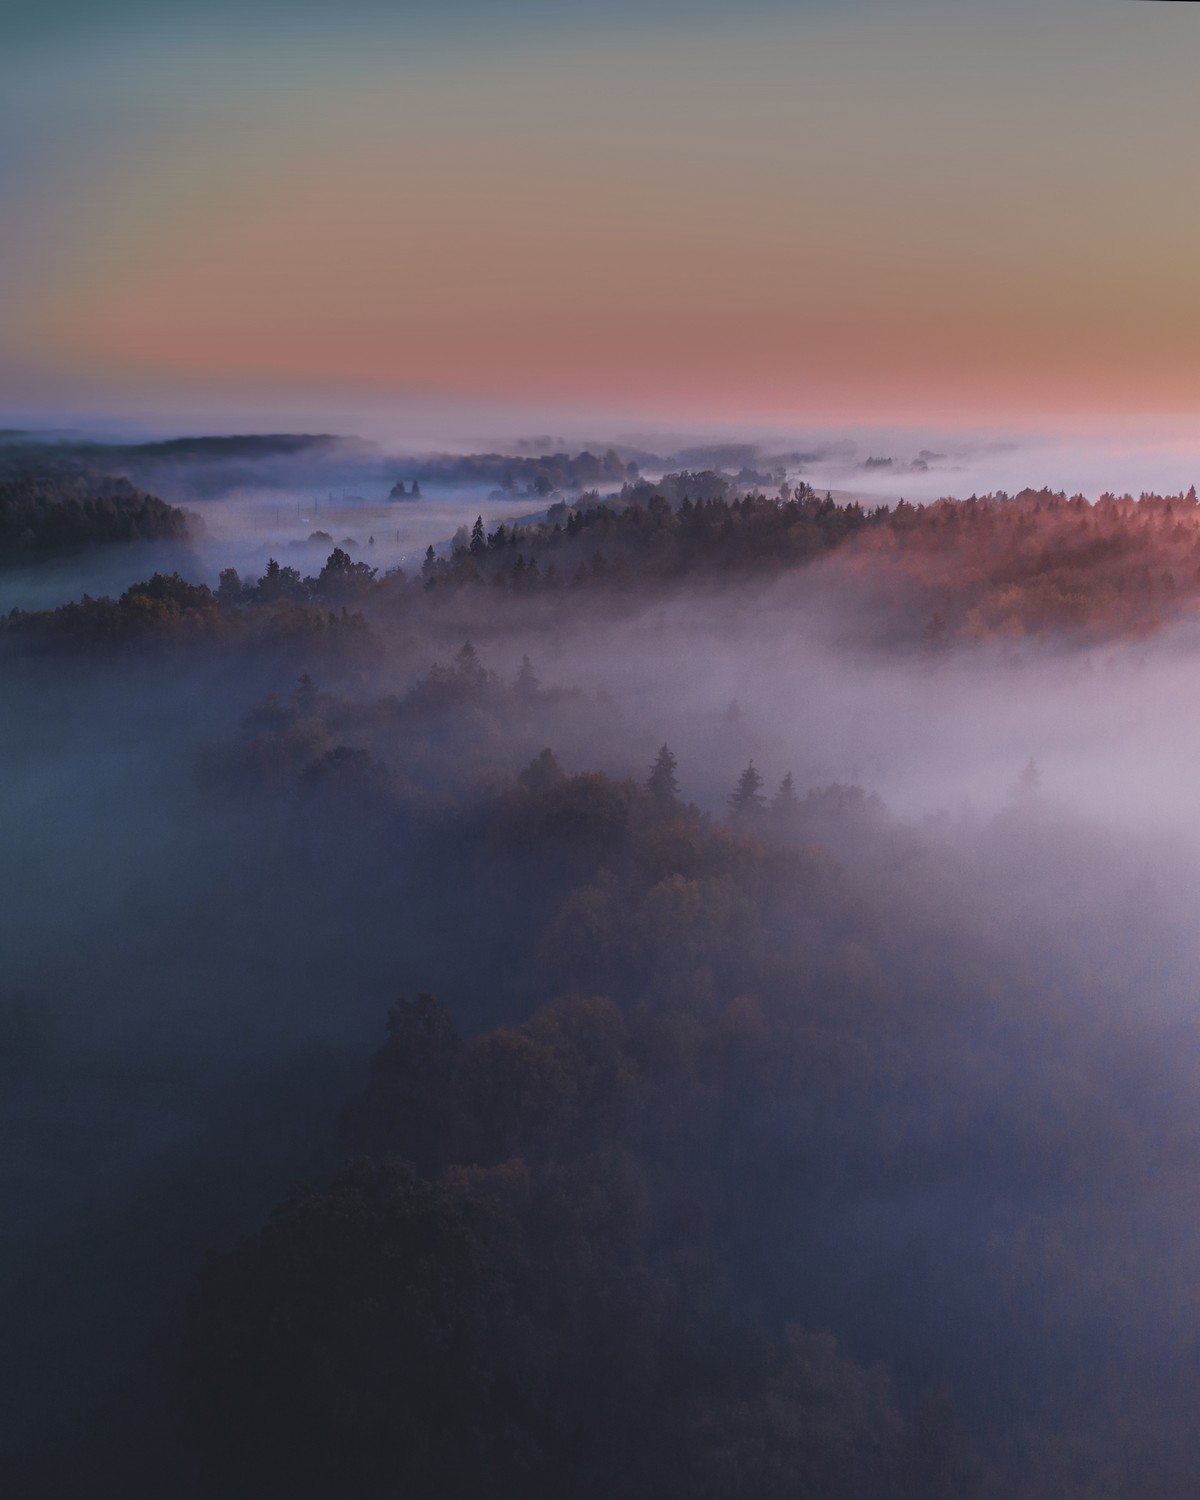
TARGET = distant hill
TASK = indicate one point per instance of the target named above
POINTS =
(30, 449)
(187, 469)
(50, 512)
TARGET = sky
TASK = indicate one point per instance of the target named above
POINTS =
(907, 212)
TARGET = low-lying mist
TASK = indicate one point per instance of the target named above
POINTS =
(904, 1049)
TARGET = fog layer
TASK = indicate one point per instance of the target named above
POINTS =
(903, 1050)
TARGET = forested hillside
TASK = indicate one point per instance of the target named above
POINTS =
(46, 513)
(704, 1025)
(959, 571)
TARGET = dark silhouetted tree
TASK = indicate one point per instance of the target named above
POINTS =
(229, 587)
(543, 771)
(467, 665)
(785, 802)
(661, 783)
(342, 577)
(747, 798)
(278, 583)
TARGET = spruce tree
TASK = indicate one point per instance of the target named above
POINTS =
(747, 796)
(661, 783)
(785, 800)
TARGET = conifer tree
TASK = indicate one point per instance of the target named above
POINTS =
(747, 796)
(785, 801)
(661, 783)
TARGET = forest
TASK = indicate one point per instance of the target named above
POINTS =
(963, 571)
(688, 995)
(52, 513)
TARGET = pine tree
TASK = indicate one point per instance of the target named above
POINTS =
(785, 801)
(747, 796)
(478, 538)
(661, 783)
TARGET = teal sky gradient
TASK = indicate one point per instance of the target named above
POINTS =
(924, 199)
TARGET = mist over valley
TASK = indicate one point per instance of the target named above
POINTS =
(717, 952)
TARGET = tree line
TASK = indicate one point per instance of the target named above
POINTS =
(49, 513)
(962, 572)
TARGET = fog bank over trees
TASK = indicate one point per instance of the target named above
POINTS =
(659, 993)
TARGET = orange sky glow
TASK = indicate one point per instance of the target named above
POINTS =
(816, 218)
